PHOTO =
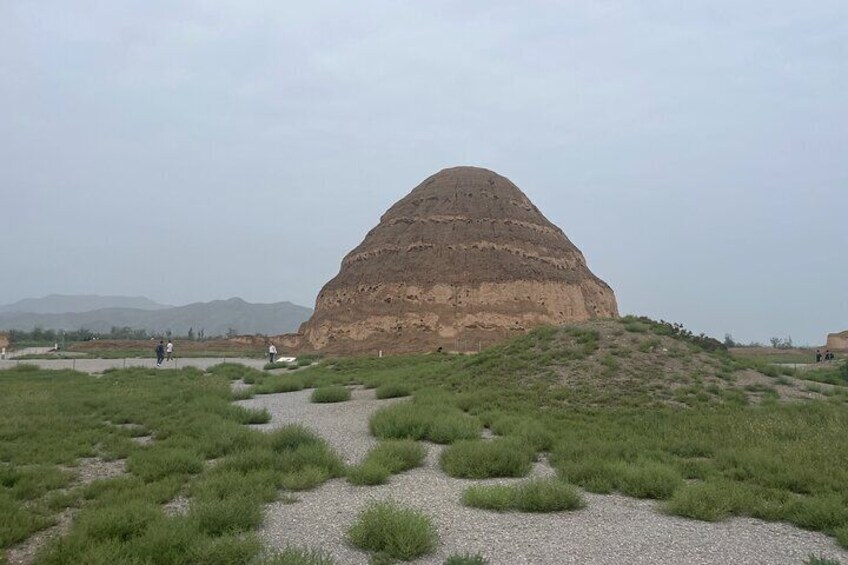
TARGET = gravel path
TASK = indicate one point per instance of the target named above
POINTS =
(612, 529)
(343, 424)
(100, 365)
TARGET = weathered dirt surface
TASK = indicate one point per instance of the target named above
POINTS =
(462, 262)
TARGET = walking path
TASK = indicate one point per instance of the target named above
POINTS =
(612, 529)
(100, 365)
(27, 351)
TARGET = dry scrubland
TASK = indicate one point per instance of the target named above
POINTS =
(144, 466)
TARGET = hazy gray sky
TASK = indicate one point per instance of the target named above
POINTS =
(697, 152)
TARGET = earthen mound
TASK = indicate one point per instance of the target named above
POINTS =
(465, 260)
(837, 341)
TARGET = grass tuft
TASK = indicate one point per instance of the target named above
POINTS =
(279, 383)
(538, 495)
(387, 458)
(438, 423)
(306, 478)
(708, 501)
(156, 463)
(330, 394)
(487, 459)
(390, 529)
(368, 473)
(392, 390)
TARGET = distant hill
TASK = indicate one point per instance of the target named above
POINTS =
(63, 304)
(214, 318)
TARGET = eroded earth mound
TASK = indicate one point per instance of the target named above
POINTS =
(465, 260)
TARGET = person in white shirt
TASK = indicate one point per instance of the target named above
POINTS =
(272, 352)
(169, 349)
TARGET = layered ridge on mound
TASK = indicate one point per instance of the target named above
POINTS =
(463, 261)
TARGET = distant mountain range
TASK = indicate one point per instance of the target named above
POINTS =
(65, 304)
(214, 318)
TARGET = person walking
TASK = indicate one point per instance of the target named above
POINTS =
(818, 355)
(160, 353)
(169, 349)
(272, 352)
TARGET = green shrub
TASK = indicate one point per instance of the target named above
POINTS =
(493, 497)
(819, 512)
(216, 517)
(241, 394)
(291, 437)
(250, 460)
(709, 501)
(314, 455)
(58, 500)
(398, 456)
(33, 482)
(620, 469)
(388, 528)
(413, 420)
(225, 550)
(368, 473)
(158, 462)
(235, 371)
(593, 473)
(305, 478)
(119, 523)
(635, 327)
(330, 394)
(252, 415)
(487, 459)
(166, 541)
(277, 365)
(842, 536)
(538, 495)
(649, 480)
(17, 522)
(392, 390)
(225, 484)
(279, 384)
(527, 430)
(547, 495)
(387, 458)
(452, 427)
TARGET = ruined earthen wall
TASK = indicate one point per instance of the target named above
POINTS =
(837, 342)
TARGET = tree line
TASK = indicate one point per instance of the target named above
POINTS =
(41, 336)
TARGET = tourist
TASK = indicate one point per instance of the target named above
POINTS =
(160, 353)
(272, 352)
(169, 349)
(818, 355)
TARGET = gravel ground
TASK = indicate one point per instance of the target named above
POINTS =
(343, 424)
(612, 529)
